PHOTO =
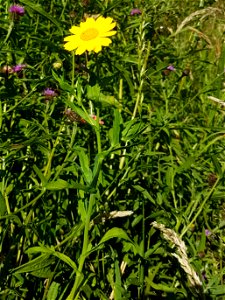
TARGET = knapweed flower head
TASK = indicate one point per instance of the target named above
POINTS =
(168, 70)
(74, 117)
(171, 68)
(49, 93)
(208, 232)
(18, 68)
(135, 11)
(91, 35)
(94, 117)
(17, 10)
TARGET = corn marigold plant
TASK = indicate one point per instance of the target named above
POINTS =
(91, 35)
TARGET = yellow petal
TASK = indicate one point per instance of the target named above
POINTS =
(105, 41)
(75, 30)
(80, 50)
(70, 46)
(109, 33)
(97, 49)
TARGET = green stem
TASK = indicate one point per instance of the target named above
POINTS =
(74, 294)
(142, 250)
(97, 132)
(73, 77)
(73, 68)
(48, 166)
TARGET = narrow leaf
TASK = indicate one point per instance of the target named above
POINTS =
(114, 233)
(53, 291)
(59, 184)
(2, 205)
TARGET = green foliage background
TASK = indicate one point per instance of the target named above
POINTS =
(158, 157)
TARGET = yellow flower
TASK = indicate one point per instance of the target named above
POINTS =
(90, 35)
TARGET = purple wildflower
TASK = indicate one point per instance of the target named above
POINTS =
(171, 68)
(208, 232)
(18, 68)
(135, 11)
(49, 93)
(17, 10)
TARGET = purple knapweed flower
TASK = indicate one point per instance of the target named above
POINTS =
(208, 232)
(17, 10)
(49, 93)
(135, 11)
(18, 68)
(171, 68)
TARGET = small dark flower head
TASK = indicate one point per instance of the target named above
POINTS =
(17, 10)
(135, 11)
(201, 254)
(18, 68)
(72, 116)
(85, 2)
(186, 72)
(49, 93)
(212, 178)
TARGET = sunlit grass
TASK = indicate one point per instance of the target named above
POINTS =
(112, 163)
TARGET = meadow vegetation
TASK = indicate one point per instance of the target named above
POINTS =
(112, 161)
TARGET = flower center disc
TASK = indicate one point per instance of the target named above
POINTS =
(89, 34)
